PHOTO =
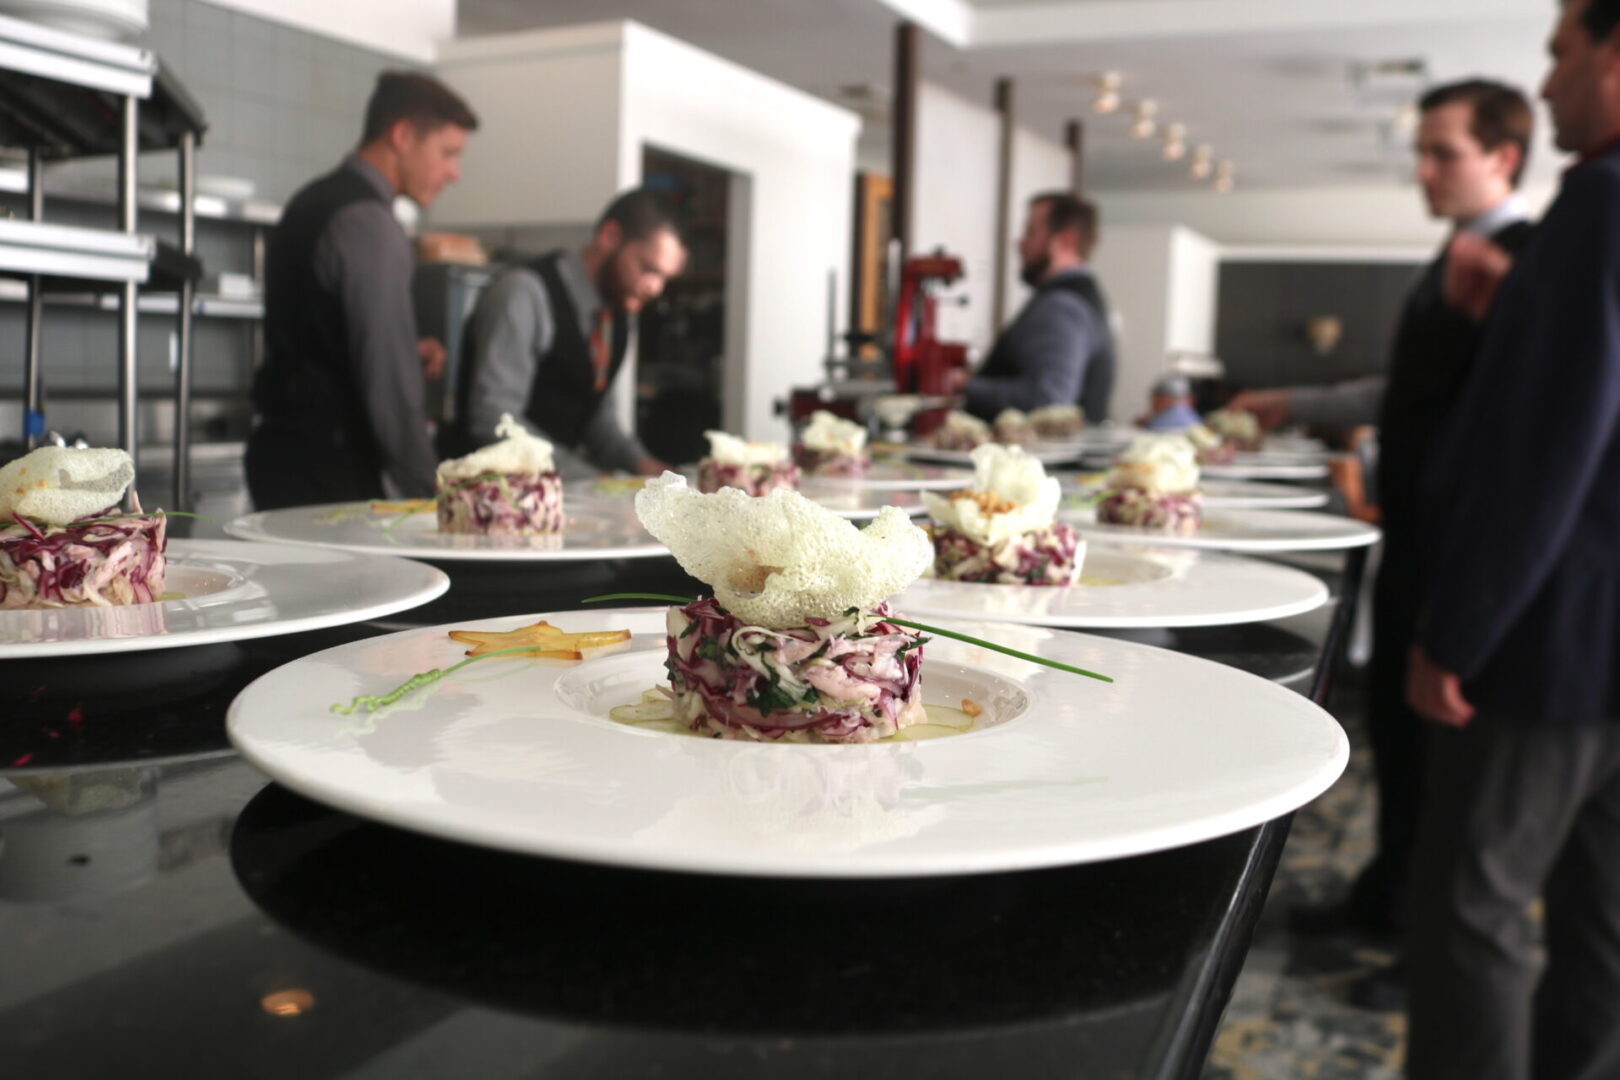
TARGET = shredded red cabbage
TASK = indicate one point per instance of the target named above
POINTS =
(754, 479)
(100, 560)
(1044, 557)
(510, 505)
(853, 679)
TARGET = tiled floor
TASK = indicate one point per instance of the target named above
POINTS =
(1289, 1017)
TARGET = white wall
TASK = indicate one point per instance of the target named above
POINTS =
(957, 146)
(1371, 217)
(567, 114)
(798, 154)
(1160, 279)
(413, 30)
(535, 160)
(1038, 165)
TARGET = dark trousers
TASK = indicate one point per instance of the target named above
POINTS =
(1380, 892)
(1514, 810)
(307, 466)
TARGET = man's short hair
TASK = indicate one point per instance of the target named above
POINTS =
(1502, 114)
(639, 213)
(1065, 211)
(1600, 18)
(410, 95)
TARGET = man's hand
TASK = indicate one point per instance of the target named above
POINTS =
(431, 350)
(1475, 268)
(650, 466)
(1435, 693)
(1270, 407)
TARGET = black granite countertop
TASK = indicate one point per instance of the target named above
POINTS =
(168, 912)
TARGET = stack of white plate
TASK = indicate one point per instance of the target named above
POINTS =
(112, 20)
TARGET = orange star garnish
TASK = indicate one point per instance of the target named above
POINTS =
(401, 506)
(545, 640)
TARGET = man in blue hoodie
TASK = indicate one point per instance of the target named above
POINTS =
(1517, 665)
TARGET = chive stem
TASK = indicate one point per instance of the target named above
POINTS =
(373, 702)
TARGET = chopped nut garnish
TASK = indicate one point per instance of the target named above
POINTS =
(971, 707)
(989, 502)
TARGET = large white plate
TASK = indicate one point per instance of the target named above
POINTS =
(603, 529)
(1045, 453)
(901, 476)
(1245, 466)
(227, 590)
(1267, 466)
(1228, 494)
(1241, 530)
(860, 504)
(521, 755)
(1125, 588)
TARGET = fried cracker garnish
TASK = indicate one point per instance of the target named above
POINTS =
(547, 641)
(971, 707)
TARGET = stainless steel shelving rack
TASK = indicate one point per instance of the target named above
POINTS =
(65, 96)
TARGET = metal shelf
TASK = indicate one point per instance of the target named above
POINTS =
(64, 96)
(155, 200)
(71, 254)
(209, 305)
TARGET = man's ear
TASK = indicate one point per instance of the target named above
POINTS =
(401, 134)
(609, 235)
(1512, 156)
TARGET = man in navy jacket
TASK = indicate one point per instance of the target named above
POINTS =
(1516, 662)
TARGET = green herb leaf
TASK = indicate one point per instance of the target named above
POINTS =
(709, 649)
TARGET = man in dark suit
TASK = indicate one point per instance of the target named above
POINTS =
(1059, 350)
(1472, 141)
(1517, 657)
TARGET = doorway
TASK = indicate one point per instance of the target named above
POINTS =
(680, 352)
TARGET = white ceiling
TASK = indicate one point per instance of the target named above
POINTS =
(1265, 81)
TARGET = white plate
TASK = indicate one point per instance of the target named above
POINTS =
(1124, 588)
(229, 591)
(1264, 466)
(901, 476)
(860, 504)
(606, 529)
(522, 756)
(1240, 530)
(1235, 495)
(1045, 453)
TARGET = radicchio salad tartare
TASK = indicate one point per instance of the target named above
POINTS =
(1012, 427)
(752, 467)
(832, 446)
(1058, 421)
(63, 540)
(961, 431)
(1237, 427)
(1154, 485)
(1003, 529)
(509, 488)
(795, 645)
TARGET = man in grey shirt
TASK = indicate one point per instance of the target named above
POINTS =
(1059, 350)
(549, 337)
(341, 397)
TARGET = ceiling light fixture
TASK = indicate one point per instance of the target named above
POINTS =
(1107, 93)
(1144, 125)
(1175, 142)
(1224, 176)
(1203, 162)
